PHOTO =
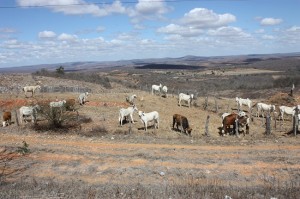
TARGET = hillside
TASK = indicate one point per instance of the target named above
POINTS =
(189, 61)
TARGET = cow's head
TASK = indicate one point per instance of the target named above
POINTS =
(141, 113)
(272, 108)
(189, 131)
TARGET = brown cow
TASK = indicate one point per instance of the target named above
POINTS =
(6, 118)
(70, 104)
(182, 121)
(243, 121)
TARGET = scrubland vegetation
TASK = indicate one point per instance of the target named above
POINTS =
(85, 154)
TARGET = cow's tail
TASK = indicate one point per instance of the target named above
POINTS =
(173, 121)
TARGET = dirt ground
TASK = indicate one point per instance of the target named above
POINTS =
(102, 152)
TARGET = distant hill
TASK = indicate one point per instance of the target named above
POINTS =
(186, 62)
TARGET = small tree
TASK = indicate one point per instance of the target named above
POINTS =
(60, 70)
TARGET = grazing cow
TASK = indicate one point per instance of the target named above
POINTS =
(148, 117)
(70, 104)
(286, 110)
(156, 88)
(240, 114)
(6, 118)
(240, 102)
(127, 112)
(262, 107)
(83, 98)
(26, 111)
(182, 121)
(58, 104)
(185, 97)
(31, 89)
(229, 120)
(130, 99)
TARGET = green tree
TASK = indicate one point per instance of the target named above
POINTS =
(60, 70)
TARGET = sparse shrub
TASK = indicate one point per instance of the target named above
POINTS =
(84, 119)
(96, 132)
(24, 149)
(121, 132)
(56, 116)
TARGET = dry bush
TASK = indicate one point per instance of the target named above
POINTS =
(95, 132)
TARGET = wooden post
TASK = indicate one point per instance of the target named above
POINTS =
(216, 105)
(130, 128)
(296, 121)
(205, 103)
(236, 127)
(206, 126)
(268, 124)
(292, 90)
(17, 118)
(275, 115)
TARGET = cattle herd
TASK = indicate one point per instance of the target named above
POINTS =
(238, 121)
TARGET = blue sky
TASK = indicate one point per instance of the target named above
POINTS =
(56, 31)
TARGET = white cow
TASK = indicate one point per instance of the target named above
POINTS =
(58, 104)
(125, 112)
(185, 97)
(165, 90)
(262, 107)
(156, 88)
(148, 117)
(31, 89)
(286, 110)
(240, 102)
(26, 111)
(130, 99)
(83, 98)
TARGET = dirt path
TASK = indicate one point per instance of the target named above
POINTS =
(98, 161)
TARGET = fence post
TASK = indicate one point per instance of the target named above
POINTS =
(236, 127)
(130, 128)
(205, 103)
(17, 118)
(268, 124)
(206, 126)
(296, 121)
(216, 105)
(275, 119)
(292, 90)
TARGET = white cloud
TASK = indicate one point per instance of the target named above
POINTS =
(7, 30)
(294, 29)
(100, 29)
(260, 31)
(188, 31)
(228, 31)
(199, 21)
(204, 18)
(268, 37)
(150, 7)
(76, 7)
(147, 10)
(47, 34)
(270, 21)
(67, 37)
